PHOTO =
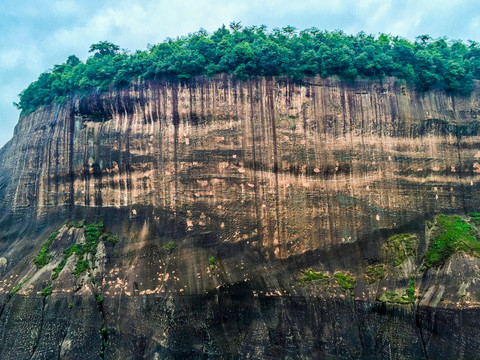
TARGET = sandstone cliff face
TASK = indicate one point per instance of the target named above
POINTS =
(269, 178)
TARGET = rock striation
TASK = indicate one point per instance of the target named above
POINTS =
(222, 194)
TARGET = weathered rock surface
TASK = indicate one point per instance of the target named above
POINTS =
(267, 177)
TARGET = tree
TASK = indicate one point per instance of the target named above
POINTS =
(104, 48)
(73, 61)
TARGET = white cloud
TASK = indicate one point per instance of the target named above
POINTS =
(10, 58)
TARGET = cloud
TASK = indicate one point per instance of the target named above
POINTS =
(9, 58)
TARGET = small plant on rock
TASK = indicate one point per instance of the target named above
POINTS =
(212, 262)
(346, 281)
(374, 273)
(312, 276)
(47, 290)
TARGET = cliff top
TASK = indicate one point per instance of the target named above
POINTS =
(255, 51)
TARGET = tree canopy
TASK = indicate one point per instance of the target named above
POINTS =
(253, 51)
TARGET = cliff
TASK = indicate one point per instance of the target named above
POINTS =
(222, 195)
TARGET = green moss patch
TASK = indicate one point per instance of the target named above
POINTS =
(18, 287)
(310, 275)
(170, 246)
(346, 281)
(47, 290)
(401, 246)
(43, 257)
(374, 273)
(451, 234)
(94, 233)
(475, 218)
(393, 297)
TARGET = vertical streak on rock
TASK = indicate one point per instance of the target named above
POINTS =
(254, 159)
(70, 176)
(271, 110)
(176, 121)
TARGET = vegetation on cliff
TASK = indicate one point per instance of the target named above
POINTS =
(254, 51)
(449, 235)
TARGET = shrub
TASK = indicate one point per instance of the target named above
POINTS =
(18, 287)
(47, 290)
(212, 263)
(43, 257)
(80, 267)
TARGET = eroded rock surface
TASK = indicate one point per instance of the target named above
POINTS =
(221, 194)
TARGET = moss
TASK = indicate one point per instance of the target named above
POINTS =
(47, 290)
(171, 246)
(346, 281)
(76, 224)
(310, 275)
(475, 218)
(94, 233)
(411, 290)
(451, 234)
(393, 297)
(110, 238)
(18, 287)
(401, 246)
(43, 257)
(374, 273)
(80, 267)
(212, 263)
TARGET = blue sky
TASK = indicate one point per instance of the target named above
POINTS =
(36, 34)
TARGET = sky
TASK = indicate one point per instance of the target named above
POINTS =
(36, 34)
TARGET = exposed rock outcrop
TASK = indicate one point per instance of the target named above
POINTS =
(250, 183)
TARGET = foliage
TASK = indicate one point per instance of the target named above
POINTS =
(374, 273)
(47, 290)
(401, 246)
(395, 298)
(76, 224)
(171, 246)
(80, 267)
(43, 257)
(109, 238)
(99, 299)
(411, 290)
(451, 234)
(212, 262)
(346, 281)
(70, 305)
(94, 233)
(252, 51)
(475, 218)
(310, 275)
(18, 287)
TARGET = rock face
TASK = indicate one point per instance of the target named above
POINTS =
(222, 193)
